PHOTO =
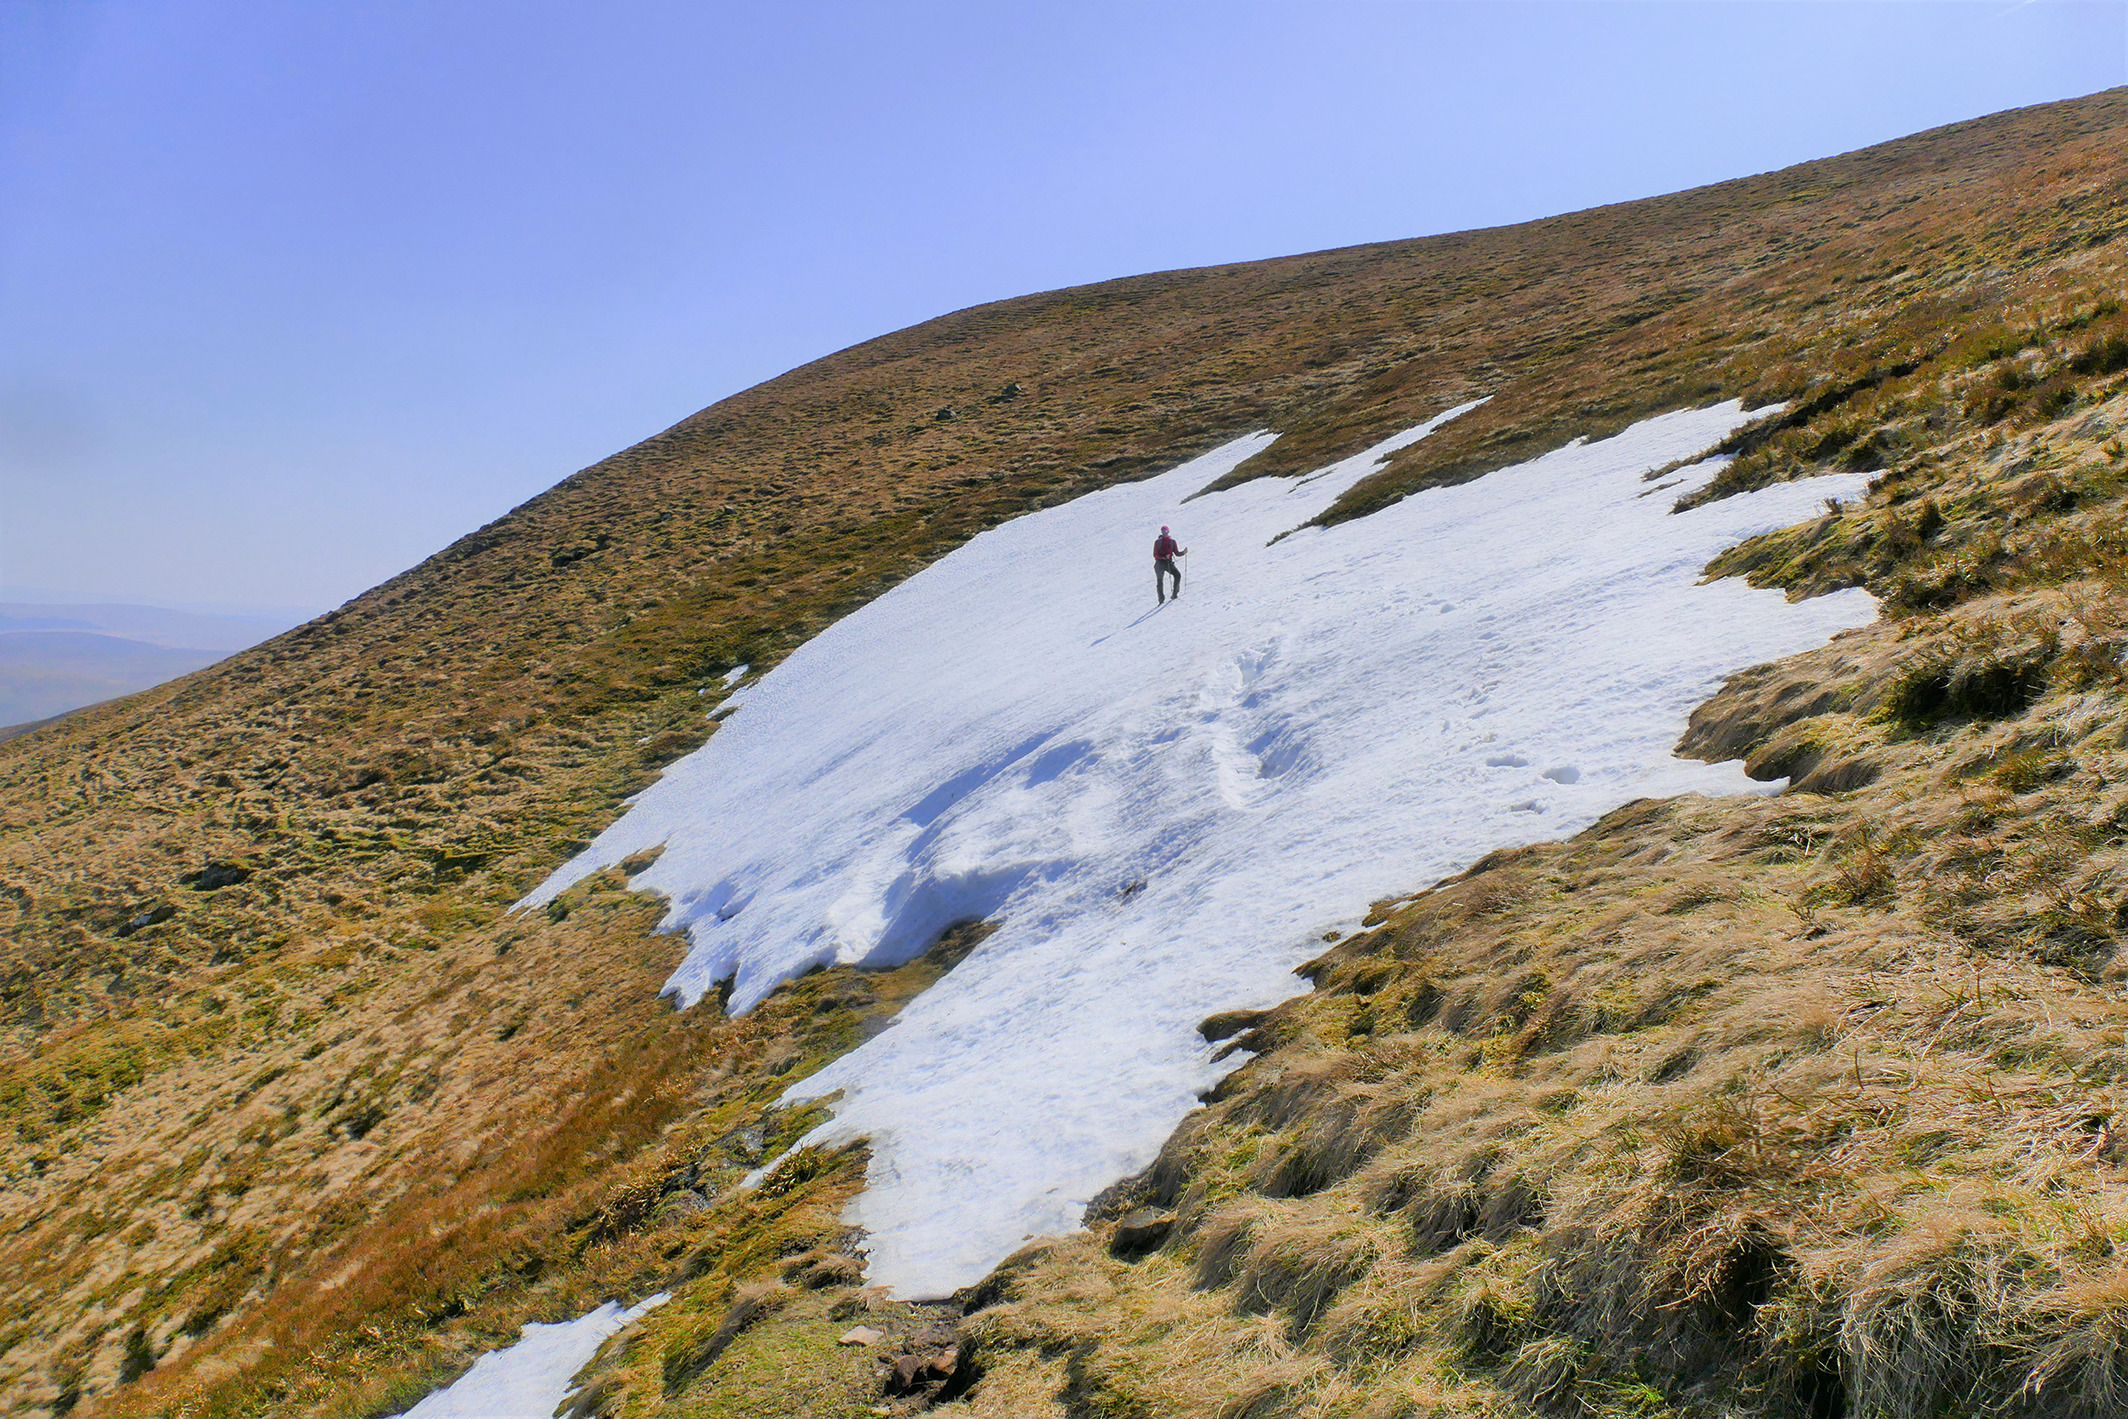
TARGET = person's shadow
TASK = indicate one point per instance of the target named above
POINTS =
(1139, 622)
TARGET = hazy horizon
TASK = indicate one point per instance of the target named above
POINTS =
(50, 596)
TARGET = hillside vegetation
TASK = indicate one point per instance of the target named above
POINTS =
(1802, 1105)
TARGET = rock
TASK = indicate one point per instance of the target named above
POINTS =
(748, 1143)
(681, 1204)
(215, 876)
(860, 1335)
(153, 916)
(936, 1364)
(934, 1336)
(915, 1373)
(1141, 1230)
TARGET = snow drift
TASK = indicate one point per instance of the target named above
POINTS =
(1167, 810)
(529, 1380)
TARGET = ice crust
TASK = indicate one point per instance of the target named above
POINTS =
(1166, 810)
(529, 1380)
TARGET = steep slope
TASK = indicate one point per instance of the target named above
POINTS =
(1163, 808)
(301, 1119)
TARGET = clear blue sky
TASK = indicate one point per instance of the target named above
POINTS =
(292, 294)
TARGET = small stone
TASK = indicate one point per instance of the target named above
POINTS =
(925, 1371)
(217, 875)
(860, 1335)
(682, 1204)
(1142, 1230)
(154, 916)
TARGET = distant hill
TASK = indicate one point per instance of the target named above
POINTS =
(60, 657)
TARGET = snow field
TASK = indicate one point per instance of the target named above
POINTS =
(529, 1380)
(1166, 810)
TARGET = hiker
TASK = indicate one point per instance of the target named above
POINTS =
(1164, 553)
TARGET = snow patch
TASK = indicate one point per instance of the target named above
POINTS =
(1166, 809)
(530, 1379)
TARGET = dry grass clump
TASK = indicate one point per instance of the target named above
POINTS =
(1299, 1270)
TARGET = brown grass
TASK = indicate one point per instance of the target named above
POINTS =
(298, 1119)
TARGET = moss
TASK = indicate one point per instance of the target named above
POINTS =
(788, 1366)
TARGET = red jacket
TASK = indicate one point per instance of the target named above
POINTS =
(1164, 548)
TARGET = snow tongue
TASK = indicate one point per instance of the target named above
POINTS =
(1164, 815)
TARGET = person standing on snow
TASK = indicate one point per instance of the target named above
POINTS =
(1165, 551)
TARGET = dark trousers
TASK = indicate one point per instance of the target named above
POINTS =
(1165, 567)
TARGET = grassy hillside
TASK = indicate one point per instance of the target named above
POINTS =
(1800, 1105)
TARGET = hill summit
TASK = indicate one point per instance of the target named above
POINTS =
(1594, 1091)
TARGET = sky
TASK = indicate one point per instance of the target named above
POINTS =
(294, 294)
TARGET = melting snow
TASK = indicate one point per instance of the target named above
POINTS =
(530, 1379)
(1166, 810)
